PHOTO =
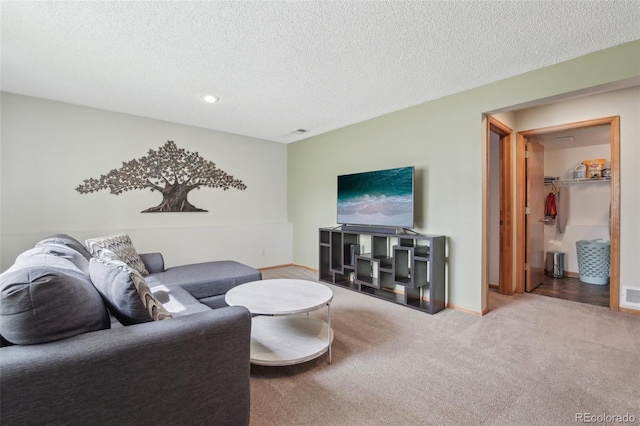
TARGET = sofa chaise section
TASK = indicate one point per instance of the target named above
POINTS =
(208, 281)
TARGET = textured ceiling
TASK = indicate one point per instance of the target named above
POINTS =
(280, 66)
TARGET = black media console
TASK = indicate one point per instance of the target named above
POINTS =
(407, 268)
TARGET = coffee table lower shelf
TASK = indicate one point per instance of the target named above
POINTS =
(288, 339)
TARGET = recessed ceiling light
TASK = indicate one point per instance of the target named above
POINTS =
(209, 98)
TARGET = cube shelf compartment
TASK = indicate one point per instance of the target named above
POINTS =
(406, 269)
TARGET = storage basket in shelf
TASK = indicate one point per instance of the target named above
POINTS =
(594, 258)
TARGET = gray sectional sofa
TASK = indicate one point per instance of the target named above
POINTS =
(67, 360)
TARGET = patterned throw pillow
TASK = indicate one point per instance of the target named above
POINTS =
(125, 292)
(154, 308)
(121, 246)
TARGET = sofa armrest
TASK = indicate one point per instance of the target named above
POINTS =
(154, 262)
(187, 370)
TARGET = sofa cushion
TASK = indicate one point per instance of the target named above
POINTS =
(178, 301)
(68, 241)
(214, 302)
(41, 304)
(121, 246)
(206, 279)
(125, 292)
(55, 255)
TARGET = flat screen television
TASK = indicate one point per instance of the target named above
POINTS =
(377, 198)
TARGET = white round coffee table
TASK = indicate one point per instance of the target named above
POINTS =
(282, 334)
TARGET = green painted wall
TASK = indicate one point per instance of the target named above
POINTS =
(443, 140)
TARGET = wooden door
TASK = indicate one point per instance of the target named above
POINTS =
(536, 196)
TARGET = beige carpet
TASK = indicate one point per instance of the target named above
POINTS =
(533, 360)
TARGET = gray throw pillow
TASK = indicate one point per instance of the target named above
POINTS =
(125, 292)
(121, 246)
(41, 304)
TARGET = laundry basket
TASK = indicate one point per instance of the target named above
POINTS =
(594, 258)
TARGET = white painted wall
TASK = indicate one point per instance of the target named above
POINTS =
(626, 104)
(588, 213)
(49, 148)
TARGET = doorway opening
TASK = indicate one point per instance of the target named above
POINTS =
(513, 194)
(530, 220)
(581, 203)
(499, 245)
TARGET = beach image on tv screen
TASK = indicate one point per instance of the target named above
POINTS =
(383, 198)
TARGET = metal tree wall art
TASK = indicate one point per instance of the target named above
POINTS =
(172, 171)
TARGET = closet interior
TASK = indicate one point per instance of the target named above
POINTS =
(577, 214)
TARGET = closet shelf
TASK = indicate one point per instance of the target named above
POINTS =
(607, 179)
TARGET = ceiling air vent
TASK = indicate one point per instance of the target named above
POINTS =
(299, 131)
